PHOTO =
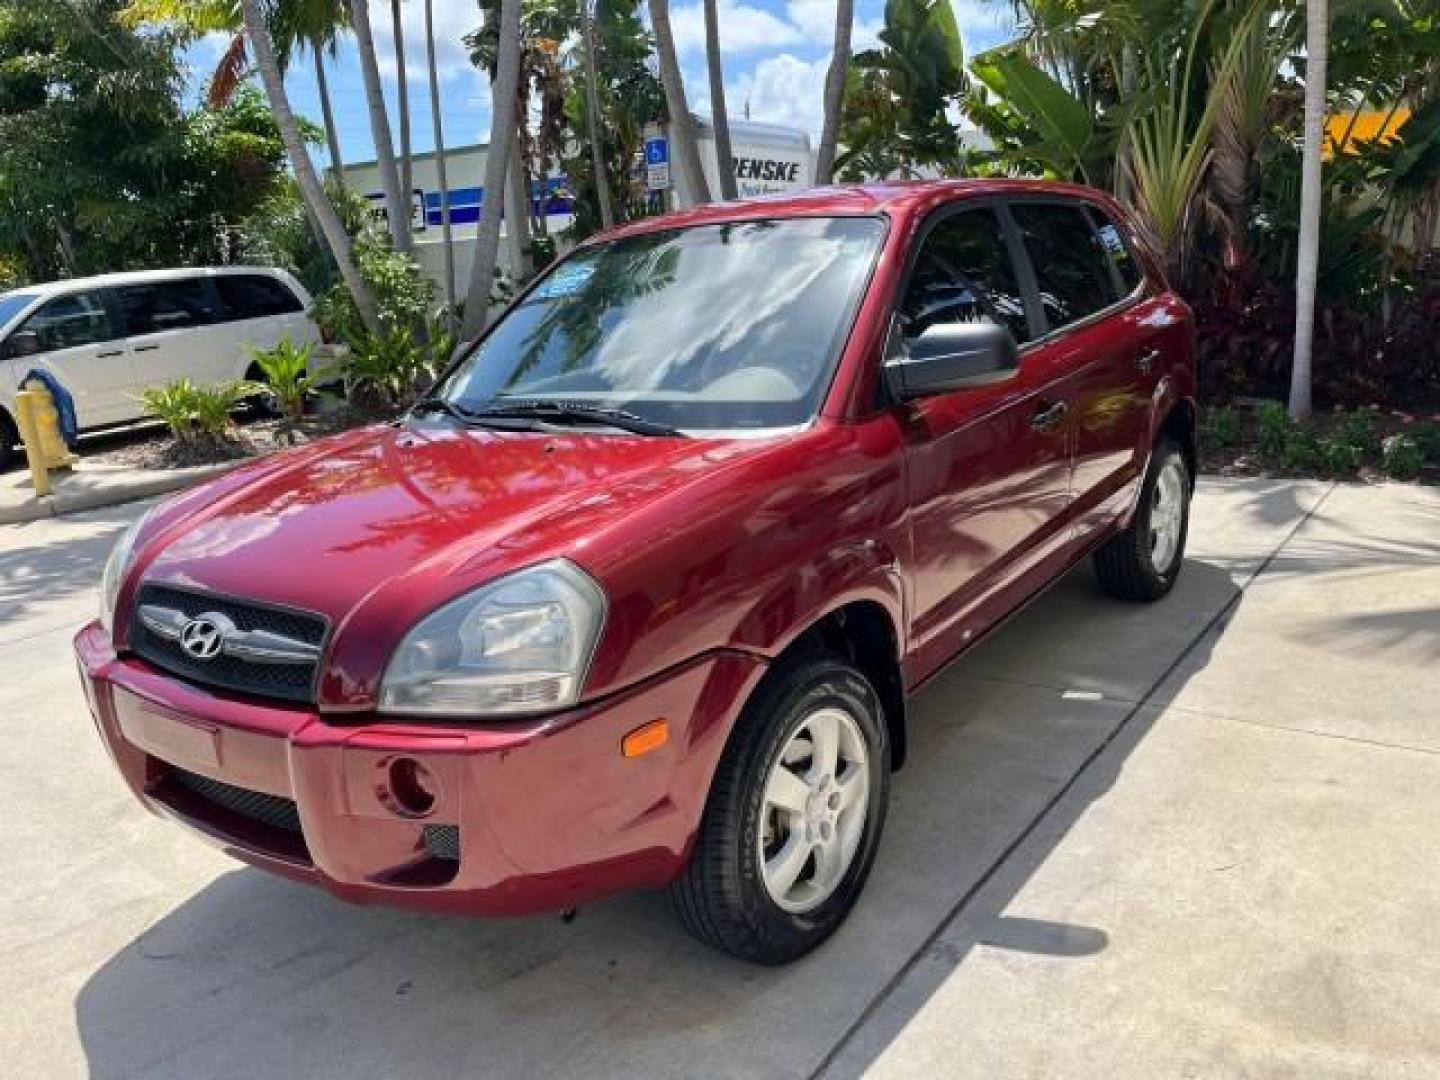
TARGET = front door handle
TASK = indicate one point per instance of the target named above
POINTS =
(1048, 418)
(104, 355)
(1147, 360)
(146, 348)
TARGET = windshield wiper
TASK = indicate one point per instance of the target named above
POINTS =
(457, 412)
(565, 411)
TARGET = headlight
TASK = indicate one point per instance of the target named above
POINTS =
(114, 571)
(518, 645)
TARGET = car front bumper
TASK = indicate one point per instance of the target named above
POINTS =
(527, 816)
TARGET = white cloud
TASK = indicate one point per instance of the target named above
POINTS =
(983, 22)
(815, 19)
(782, 89)
(453, 21)
(743, 29)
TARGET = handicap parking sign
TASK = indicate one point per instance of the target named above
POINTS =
(657, 152)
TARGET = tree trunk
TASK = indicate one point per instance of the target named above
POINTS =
(446, 232)
(682, 129)
(1317, 19)
(517, 212)
(592, 118)
(834, 93)
(402, 96)
(397, 203)
(502, 125)
(310, 190)
(719, 115)
(332, 134)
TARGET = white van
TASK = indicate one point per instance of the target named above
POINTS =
(108, 338)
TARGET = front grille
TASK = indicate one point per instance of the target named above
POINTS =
(273, 810)
(290, 682)
(443, 841)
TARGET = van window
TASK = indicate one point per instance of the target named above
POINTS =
(255, 296)
(964, 274)
(70, 321)
(166, 305)
(1071, 268)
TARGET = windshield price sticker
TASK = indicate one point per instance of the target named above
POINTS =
(566, 280)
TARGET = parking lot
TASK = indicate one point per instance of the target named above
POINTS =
(1193, 839)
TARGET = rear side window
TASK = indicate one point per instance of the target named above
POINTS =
(1121, 257)
(68, 321)
(255, 296)
(166, 305)
(964, 274)
(1072, 268)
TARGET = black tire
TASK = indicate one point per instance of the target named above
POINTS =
(9, 443)
(1126, 564)
(722, 898)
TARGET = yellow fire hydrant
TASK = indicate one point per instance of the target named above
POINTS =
(45, 447)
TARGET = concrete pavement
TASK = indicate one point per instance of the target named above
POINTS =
(1194, 839)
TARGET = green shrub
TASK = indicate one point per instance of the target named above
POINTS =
(1402, 456)
(1273, 429)
(288, 379)
(386, 368)
(1357, 430)
(1222, 427)
(1427, 439)
(195, 413)
(1340, 456)
(1301, 450)
(404, 296)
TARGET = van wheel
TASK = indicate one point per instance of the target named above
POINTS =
(1143, 562)
(794, 816)
(9, 440)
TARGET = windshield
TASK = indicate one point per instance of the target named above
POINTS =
(721, 327)
(11, 304)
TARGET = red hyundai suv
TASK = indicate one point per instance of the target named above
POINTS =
(637, 595)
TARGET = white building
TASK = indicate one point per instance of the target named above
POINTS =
(767, 159)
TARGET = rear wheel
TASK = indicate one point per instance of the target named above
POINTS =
(794, 815)
(1143, 562)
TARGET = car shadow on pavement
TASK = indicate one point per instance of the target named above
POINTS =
(261, 977)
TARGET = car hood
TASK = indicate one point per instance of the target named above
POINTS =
(382, 525)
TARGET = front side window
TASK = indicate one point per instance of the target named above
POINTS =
(730, 326)
(1072, 269)
(166, 305)
(71, 321)
(1115, 245)
(964, 274)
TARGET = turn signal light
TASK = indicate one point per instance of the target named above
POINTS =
(645, 738)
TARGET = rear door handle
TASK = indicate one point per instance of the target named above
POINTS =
(1147, 360)
(1048, 418)
(103, 355)
(146, 348)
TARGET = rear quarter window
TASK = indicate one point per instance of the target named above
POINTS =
(255, 296)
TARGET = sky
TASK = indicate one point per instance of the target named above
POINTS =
(775, 54)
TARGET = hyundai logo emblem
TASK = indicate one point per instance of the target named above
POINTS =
(203, 637)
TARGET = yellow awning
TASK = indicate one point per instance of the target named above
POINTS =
(1369, 125)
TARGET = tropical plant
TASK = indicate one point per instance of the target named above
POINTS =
(1317, 30)
(195, 413)
(404, 296)
(719, 115)
(386, 369)
(898, 98)
(447, 233)
(682, 129)
(503, 89)
(834, 92)
(397, 202)
(287, 375)
(592, 115)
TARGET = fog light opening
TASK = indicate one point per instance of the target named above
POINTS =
(412, 787)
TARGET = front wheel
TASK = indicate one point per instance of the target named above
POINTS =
(1143, 562)
(794, 815)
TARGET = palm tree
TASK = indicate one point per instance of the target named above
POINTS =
(719, 116)
(327, 112)
(397, 204)
(682, 127)
(306, 179)
(517, 207)
(402, 95)
(446, 232)
(503, 90)
(834, 93)
(1317, 33)
(592, 115)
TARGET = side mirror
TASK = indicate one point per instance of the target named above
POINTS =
(952, 356)
(25, 343)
